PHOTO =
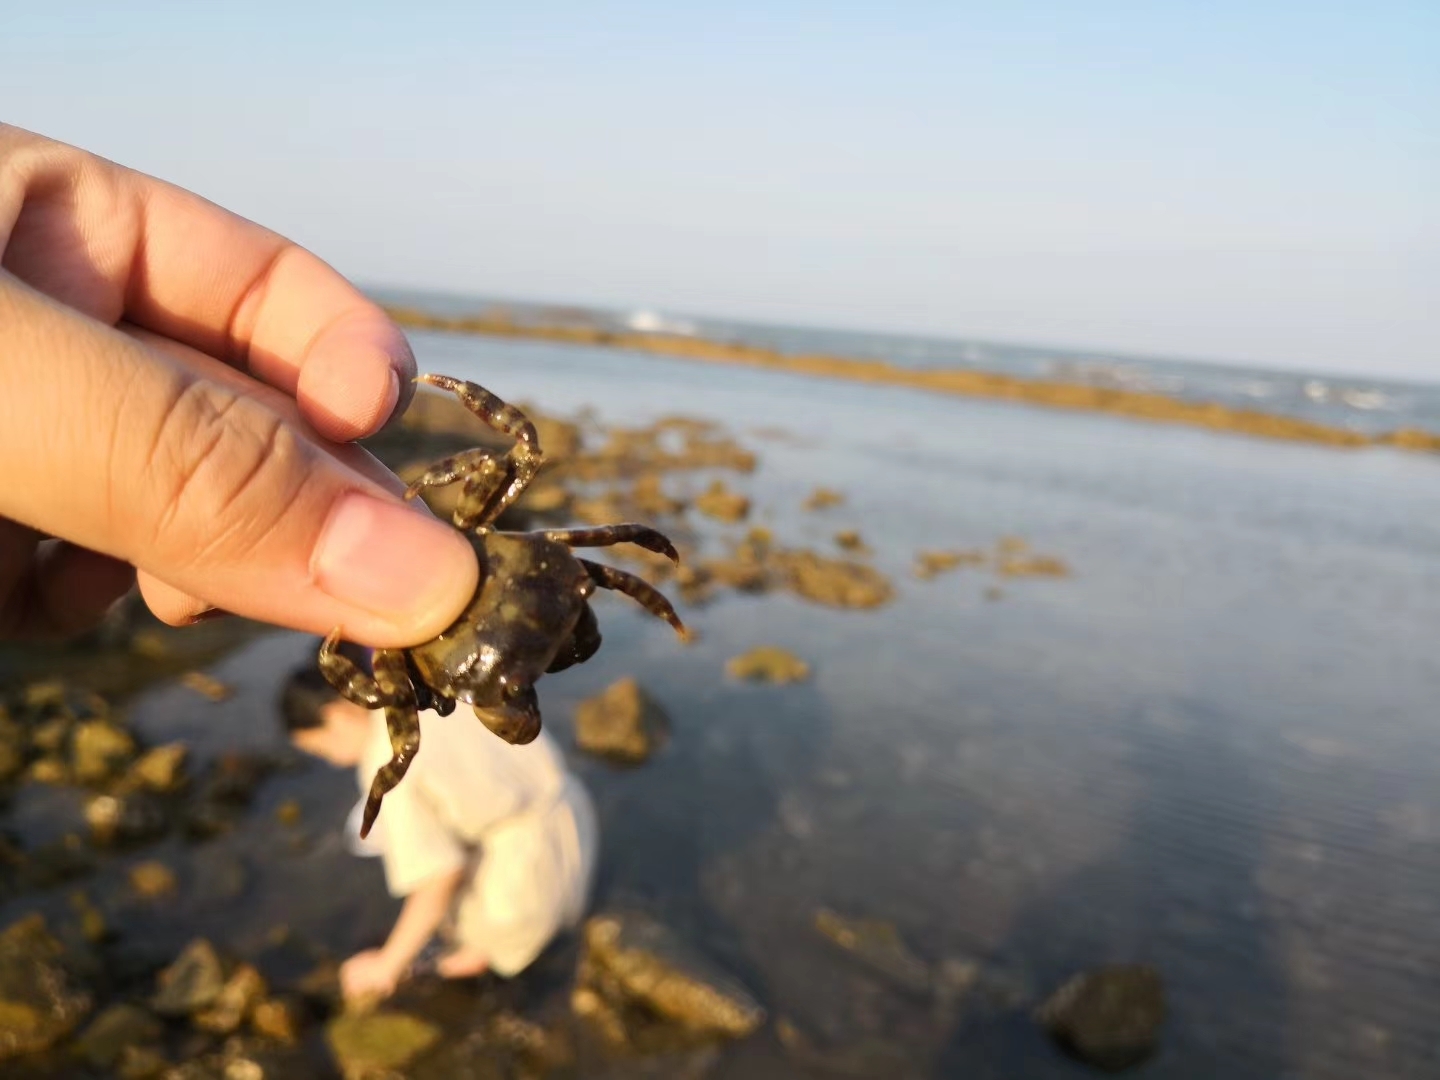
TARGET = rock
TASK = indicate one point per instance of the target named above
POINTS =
(97, 749)
(622, 723)
(41, 998)
(159, 770)
(278, 1018)
(877, 945)
(206, 686)
(103, 1043)
(631, 954)
(241, 993)
(768, 663)
(822, 498)
(850, 540)
(50, 769)
(141, 1063)
(126, 819)
(50, 736)
(835, 582)
(370, 1044)
(92, 921)
(12, 749)
(929, 564)
(722, 504)
(1108, 1017)
(1013, 558)
(193, 982)
(152, 879)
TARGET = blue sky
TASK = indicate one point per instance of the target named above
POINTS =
(1233, 181)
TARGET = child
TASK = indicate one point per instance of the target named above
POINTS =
(493, 846)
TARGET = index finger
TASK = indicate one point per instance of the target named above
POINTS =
(190, 270)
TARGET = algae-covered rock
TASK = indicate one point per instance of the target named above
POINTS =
(822, 498)
(160, 770)
(278, 1018)
(835, 582)
(877, 945)
(99, 748)
(152, 879)
(369, 1045)
(768, 663)
(1109, 1017)
(12, 749)
(193, 982)
(207, 686)
(243, 990)
(103, 1042)
(633, 955)
(622, 723)
(722, 504)
(41, 997)
(126, 819)
(929, 564)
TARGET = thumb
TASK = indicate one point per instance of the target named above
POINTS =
(202, 479)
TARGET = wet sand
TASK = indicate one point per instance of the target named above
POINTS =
(1210, 746)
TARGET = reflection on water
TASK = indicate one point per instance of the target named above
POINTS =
(1213, 748)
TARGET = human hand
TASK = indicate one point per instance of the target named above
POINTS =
(368, 974)
(178, 384)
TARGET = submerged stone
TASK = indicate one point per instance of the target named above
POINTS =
(622, 723)
(768, 663)
(191, 983)
(99, 748)
(104, 1041)
(41, 998)
(1108, 1017)
(877, 945)
(369, 1044)
(632, 956)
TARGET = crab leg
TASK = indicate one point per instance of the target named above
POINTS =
(449, 469)
(606, 535)
(402, 721)
(500, 415)
(521, 463)
(389, 689)
(639, 590)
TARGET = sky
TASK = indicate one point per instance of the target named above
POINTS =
(1243, 182)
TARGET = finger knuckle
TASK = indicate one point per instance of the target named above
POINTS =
(227, 470)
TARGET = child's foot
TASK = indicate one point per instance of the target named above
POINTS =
(463, 963)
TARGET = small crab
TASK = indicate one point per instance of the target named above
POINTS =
(530, 614)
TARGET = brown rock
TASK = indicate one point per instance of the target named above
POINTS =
(278, 1019)
(97, 749)
(722, 504)
(160, 770)
(822, 498)
(41, 1000)
(192, 983)
(243, 990)
(836, 582)
(622, 723)
(768, 663)
(930, 564)
(206, 685)
(152, 879)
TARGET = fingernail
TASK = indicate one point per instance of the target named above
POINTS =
(393, 562)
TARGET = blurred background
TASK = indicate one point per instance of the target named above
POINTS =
(1055, 387)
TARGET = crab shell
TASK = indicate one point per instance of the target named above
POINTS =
(530, 615)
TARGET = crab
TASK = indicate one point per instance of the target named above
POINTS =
(530, 614)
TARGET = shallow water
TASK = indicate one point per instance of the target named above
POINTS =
(1214, 747)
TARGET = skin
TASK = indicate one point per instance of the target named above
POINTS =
(340, 740)
(180, 388)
